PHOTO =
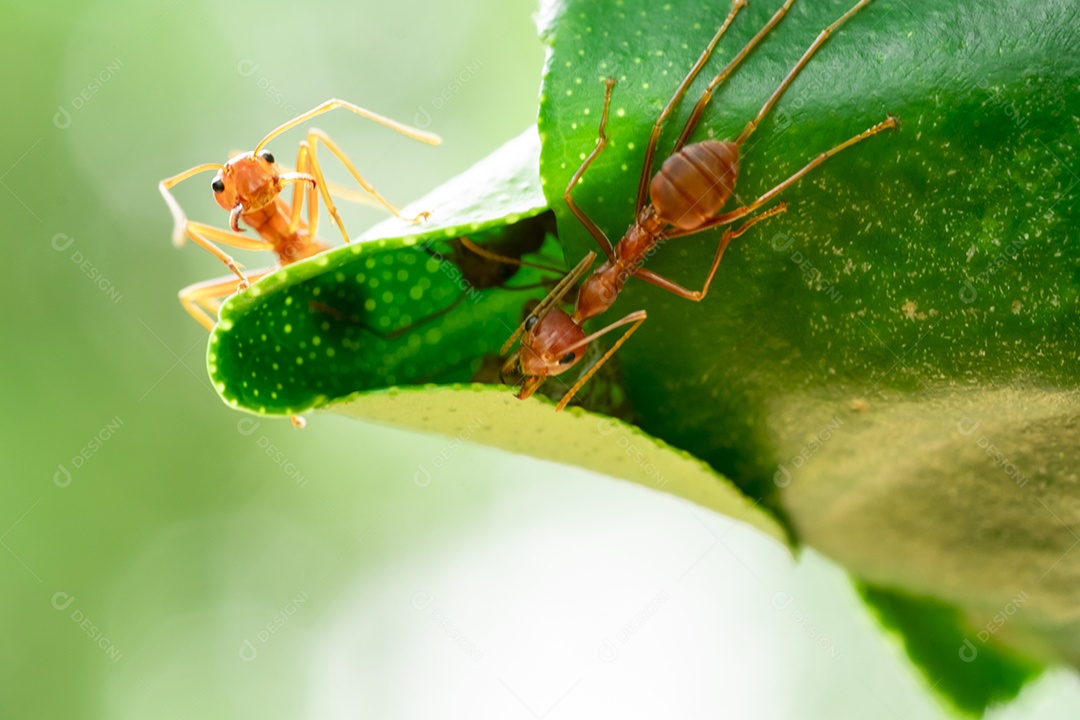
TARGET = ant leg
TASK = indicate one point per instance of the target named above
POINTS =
(752, 125)
(205, 235)
(415, 134)
(729, 235)
(635, 317)
(300, 193)
(179, 218)
(316, 136)
(485, 253)
(338, 191)
(595, 231)
(199, 299)
(553, 298)
(320, 185)
(530, 286)
(391, 334)
(889, 123)
(706, 96)
(654, 138)
(433, 316)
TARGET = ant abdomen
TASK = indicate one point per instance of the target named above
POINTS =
(695, 182)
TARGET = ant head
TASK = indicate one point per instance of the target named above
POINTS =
(247, 181)
(550, 345)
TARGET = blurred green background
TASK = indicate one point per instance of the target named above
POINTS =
(163, 556)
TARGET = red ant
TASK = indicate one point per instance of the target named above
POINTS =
(693, 185)
(249, 186)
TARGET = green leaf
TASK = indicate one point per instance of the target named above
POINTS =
(922, 283)
(966, 667)
(492, 416)
(891, 365)
(319, 331)
(322, 328)
(937, 255)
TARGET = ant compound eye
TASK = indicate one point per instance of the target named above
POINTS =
(530, 322)
(218, 185)
(567, 358)
(265, 155)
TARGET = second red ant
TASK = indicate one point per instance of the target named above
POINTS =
(685, 196)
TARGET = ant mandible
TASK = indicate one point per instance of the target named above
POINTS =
(693, 185)
(249, 186)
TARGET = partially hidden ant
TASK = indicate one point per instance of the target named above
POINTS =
(476, 267)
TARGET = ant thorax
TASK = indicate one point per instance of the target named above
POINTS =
(599, 291)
